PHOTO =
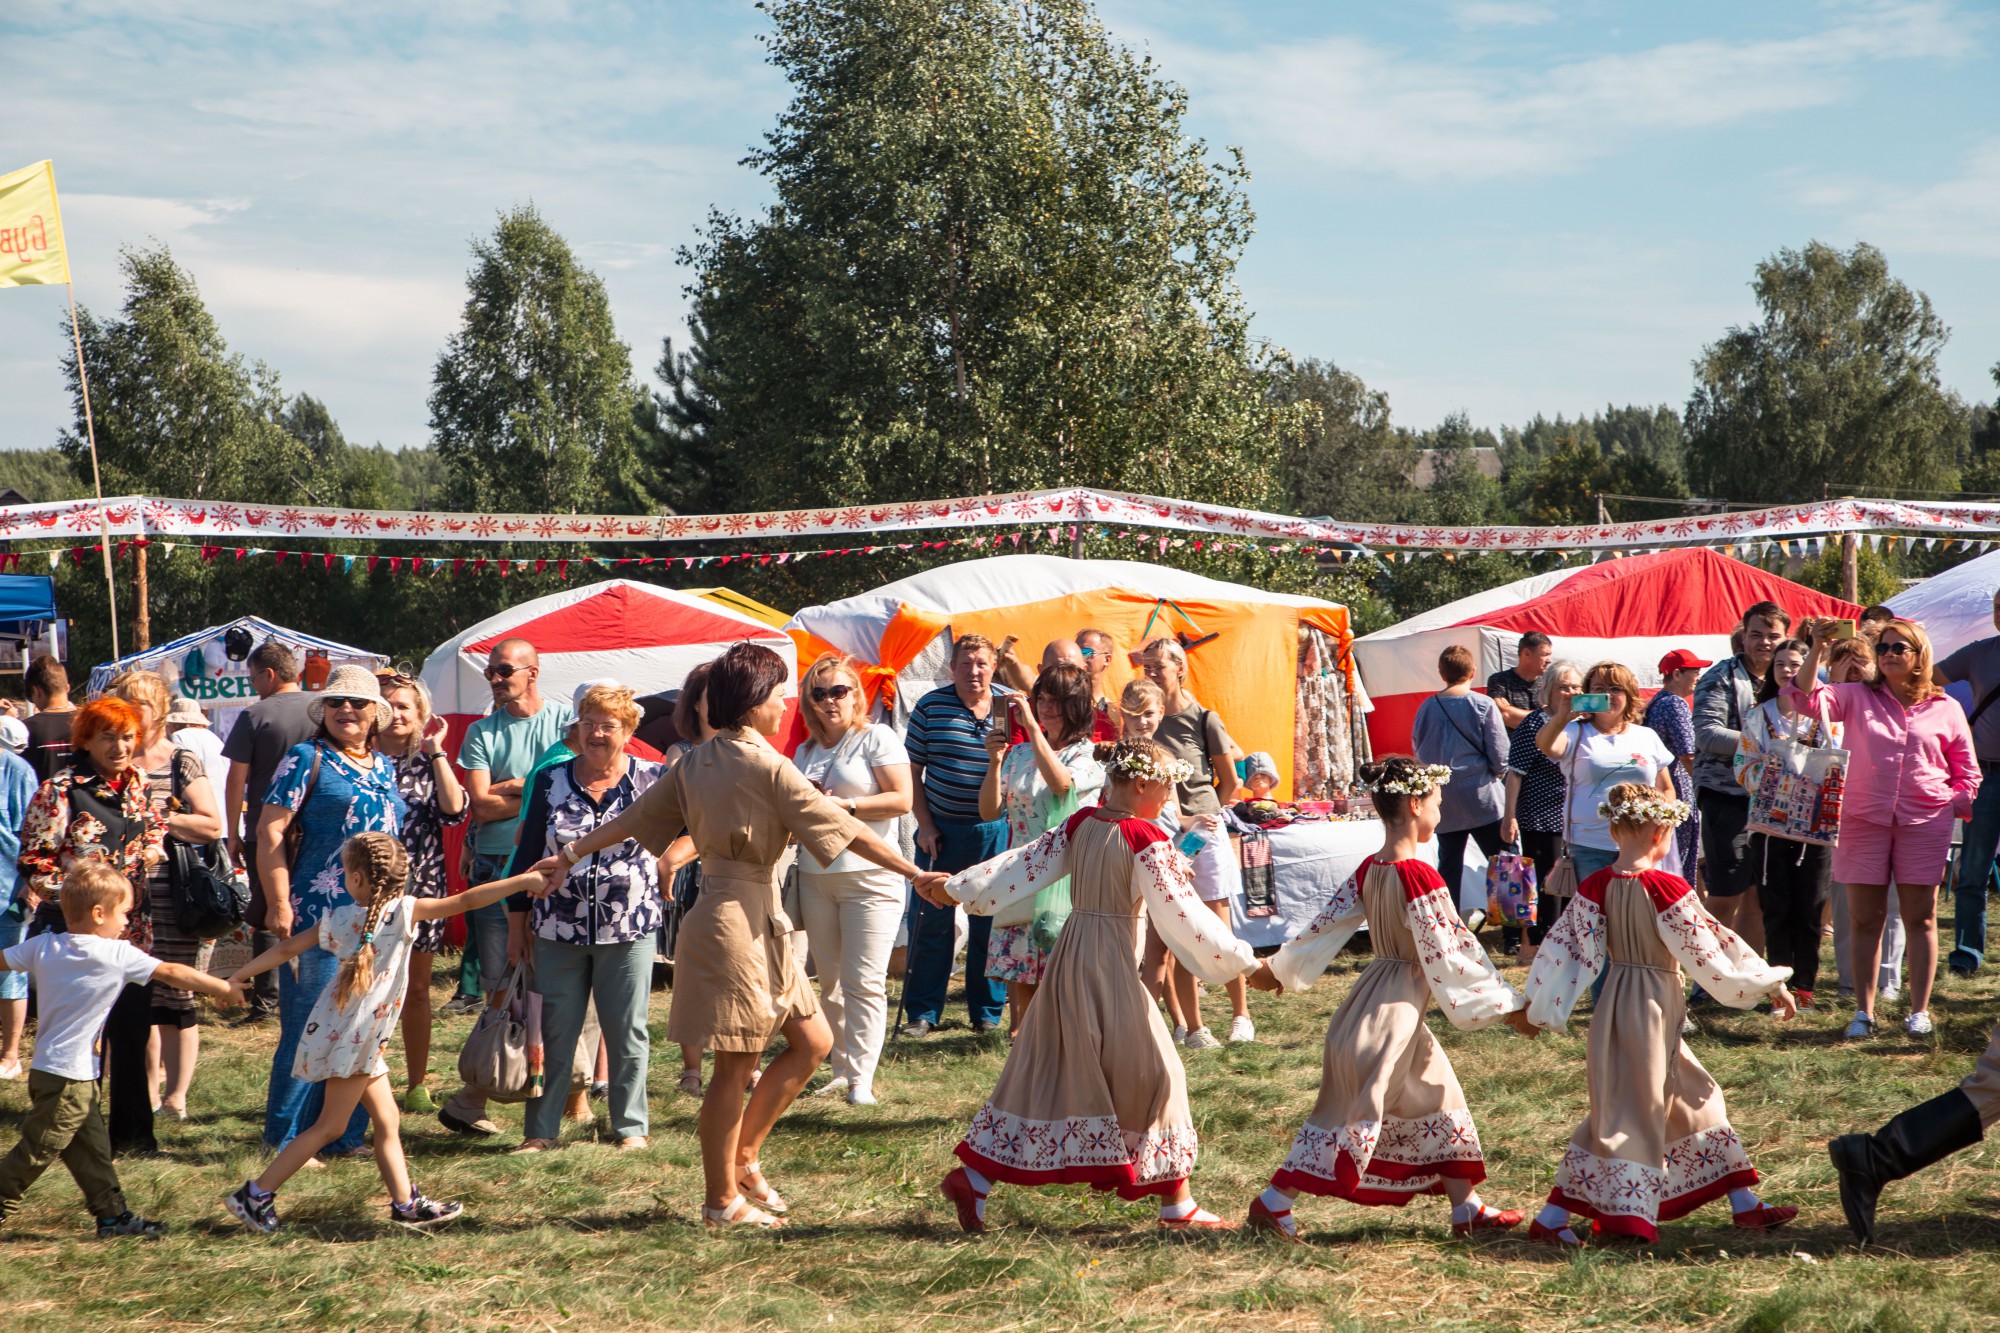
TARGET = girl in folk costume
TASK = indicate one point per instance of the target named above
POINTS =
(354, 1019)
(1391, 1122)
(1657, 1142)
(1093, 1091)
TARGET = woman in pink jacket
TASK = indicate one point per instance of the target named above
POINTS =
(1912, 772)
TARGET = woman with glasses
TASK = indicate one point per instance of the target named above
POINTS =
(323, 792)
(852, 907)
(1911, 772)
(434, 801)
(1598, 751)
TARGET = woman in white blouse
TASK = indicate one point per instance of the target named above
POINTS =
(851, 907)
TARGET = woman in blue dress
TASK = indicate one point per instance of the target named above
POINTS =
(323, 793)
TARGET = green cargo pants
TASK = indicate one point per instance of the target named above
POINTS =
(64, 1121)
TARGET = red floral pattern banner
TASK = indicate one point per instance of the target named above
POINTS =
(219, 521)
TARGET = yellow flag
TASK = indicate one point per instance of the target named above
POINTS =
(31, 236)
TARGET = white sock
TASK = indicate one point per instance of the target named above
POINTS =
(1276, 1201)
(1742, 1201)
(1471, 1210)
(1174, 1212)
(1553, 1217)
(980, 1184)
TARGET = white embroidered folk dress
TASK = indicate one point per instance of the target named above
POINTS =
(342, 1040)
(1391, 1122)
(1093, 1091)
(1657, 1142)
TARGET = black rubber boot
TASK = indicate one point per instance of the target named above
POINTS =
(1924, 1134)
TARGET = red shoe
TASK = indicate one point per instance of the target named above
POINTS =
(1765, 1217)
(1500, 1221)
(1194, 1222)
(1542, 1235)
(1262, 1218)
(958, 1188)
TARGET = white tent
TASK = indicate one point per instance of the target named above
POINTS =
(1954, 607)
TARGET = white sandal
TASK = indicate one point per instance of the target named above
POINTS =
(767, 1198)
(740, 1213)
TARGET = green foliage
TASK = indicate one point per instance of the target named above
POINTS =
(1836, 387)
(41, 475)
(532, 401)
(1343, 460)
(994, 262)
(1874, 579)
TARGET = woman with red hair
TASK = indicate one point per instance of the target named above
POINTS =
(99, 806)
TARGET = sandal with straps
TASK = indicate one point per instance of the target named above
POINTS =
(740, 1213)
(763, 1195)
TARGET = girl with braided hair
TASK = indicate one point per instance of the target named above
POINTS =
(1093, 1092)
(353, 1020)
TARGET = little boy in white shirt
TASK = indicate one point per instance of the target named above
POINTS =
(77, 977)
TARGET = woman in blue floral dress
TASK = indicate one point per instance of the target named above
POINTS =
(331, 788)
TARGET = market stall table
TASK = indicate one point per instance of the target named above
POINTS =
(1311, 859)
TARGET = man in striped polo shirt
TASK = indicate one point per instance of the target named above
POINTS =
(948, 758)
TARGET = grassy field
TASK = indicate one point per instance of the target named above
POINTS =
(589, 1238)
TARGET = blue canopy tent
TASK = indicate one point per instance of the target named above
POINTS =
(28, 620)
(27, 597)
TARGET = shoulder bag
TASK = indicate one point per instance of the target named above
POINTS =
(1562, 876)
(208, 900)
(494, 1059)
(1799, 788)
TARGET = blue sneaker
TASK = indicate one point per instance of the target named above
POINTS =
(129, 1223)
(254, 1208)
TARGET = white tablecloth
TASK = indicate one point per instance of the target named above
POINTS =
(1310, 861)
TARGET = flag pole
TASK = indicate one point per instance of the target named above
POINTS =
(96, 479)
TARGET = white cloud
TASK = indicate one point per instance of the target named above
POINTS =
(1959, 216)
(1351, 104)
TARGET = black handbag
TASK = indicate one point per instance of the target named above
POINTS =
(209, 902)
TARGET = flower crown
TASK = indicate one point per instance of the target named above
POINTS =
(1420, 781)
(1142, 767)
(1652, 808)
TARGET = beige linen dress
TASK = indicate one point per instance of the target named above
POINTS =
(1657, 1142)
(1391, 1121)
(737, 979)
(1093, 1092)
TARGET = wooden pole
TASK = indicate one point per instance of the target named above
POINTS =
(96, 479)
(1850, 567)
(142, 619)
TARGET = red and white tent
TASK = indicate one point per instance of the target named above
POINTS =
(645, 637)
(1632, 611)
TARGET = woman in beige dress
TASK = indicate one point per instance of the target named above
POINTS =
(737, 982)
(1657, 1142)
(1093, 1092)
(1391, 1122)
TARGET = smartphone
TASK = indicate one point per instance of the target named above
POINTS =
(1840, 629)
(1017, 730)
(1589, 703)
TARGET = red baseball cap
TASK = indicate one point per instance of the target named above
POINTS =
(1680, 659)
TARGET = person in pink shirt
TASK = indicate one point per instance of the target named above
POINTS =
(1912, 772)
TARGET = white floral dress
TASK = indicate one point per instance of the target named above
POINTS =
(1031, 809)
(342, 1040)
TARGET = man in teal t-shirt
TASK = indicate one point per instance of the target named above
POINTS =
(499, 752)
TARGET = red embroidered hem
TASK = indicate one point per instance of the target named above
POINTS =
(1122, 1179)
(1625, 1224)
(1347, 1185)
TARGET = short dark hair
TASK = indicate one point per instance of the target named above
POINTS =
(1769, 611)
(1069, 687)
(1455, 664)
(738, 681)
(46, 675)
(686, 724)
(1534, 638)
(275, 658)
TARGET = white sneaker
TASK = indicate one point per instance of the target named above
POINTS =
(1863, 1026)
(861, 1095)
(1242, 1029)
(1919, 1024)
(1890, 994)
(832, 1087)
(1201, 1039)
(1180, 1034)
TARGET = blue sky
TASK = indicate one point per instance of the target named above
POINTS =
(1495, 206)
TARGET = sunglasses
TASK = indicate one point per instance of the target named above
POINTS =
(821, 693)
(1087, 652)
(356, 704)
(505, 671)
(1894, 649)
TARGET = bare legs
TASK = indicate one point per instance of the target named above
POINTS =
(13, 1018)
(1020, 994)
(179, 1048)
(732, 1132)
(417, 1021)
(1239, 993)
(1867, 912)
(371, 1093)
